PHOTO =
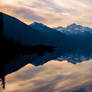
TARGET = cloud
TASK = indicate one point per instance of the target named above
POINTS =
(52, 13)
(18, 12)
(29, 14)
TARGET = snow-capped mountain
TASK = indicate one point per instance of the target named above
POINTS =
(74, 29)
(81, 35)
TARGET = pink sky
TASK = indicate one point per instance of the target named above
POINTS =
(50, 12)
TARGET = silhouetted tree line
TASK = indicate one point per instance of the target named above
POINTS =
(10, 50)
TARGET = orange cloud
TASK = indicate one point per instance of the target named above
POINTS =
(52, 13)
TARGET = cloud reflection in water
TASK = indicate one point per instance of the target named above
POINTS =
(53, 76)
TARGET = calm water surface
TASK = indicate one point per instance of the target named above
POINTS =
(54, 76)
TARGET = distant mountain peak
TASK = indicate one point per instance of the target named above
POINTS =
(59, 28)
(74, 26)
(37, 24)
(40, 26)
(74, 29)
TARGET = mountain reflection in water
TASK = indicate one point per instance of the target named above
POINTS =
(54, 76)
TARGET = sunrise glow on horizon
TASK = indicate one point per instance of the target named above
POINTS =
(52, 13)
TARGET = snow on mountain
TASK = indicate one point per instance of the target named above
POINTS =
(74, 29)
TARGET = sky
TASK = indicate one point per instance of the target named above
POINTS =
(54, 76)
(50, 12)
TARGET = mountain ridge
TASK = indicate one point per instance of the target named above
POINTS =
(74, 29)
(19, 31)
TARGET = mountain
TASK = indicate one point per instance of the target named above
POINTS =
(22, 33)
(33, 34)
(60, 28)
(39, 26)
(55, 37)
(74, 29)
(77, 29)
(82, 36)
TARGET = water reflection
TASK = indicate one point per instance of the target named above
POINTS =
(54, 76)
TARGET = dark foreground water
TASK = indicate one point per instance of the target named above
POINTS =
(54, 76)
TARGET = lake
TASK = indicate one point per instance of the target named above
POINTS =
(53, 76)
